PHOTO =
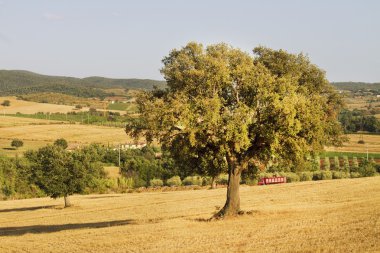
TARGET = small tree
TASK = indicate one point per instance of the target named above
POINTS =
(57, 173)
(326, 163)
(336, 163)
(346, 164)
(6, 103)
(16, 143)
(317, 162)
(355, 164)
(61, 143)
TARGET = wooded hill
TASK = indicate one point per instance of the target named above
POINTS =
(355, 86)
(18, 82)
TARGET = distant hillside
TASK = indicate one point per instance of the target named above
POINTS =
(355, 86)
(18, 82)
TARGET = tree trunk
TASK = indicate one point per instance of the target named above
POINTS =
(213, 182)
(232, 205)
(67, 201)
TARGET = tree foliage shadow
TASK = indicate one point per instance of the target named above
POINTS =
(102, 197)
(25, 209)
(40, 229)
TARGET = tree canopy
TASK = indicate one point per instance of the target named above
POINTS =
(247, 110)
(57, 173)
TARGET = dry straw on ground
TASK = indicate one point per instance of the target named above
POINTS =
(325, 216)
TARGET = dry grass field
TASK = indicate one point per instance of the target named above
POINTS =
(324, 216)
(372, 143)
(28, 107)
(37, 133)
(8, 121)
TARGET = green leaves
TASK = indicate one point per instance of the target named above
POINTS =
(223, 102)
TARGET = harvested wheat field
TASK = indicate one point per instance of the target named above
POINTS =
(28, 107)
(71, 132)
(372, 143)
(8, 121)
(36, 136)
(324, 216)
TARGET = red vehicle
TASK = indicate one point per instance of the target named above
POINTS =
(272, 180)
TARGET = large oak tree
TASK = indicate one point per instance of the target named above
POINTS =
(248, 110)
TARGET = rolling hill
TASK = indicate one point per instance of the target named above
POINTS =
(18, 82)
(355, 86)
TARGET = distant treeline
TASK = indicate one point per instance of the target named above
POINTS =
(16, 82)
(355, 86)
(356, 120)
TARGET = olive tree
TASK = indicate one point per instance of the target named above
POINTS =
(247, 109)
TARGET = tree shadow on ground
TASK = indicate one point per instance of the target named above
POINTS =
(25, 209)
(40, 229)
(102, 197)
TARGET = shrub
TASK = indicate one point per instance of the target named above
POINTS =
(336, 163)
(6, 103)
(125, 183)
(222, 179)
(346, 164)
(61, 143)
(290, 177)
(355, 164)
(264, 174)
(317, 163)
(156, 182)
(326, 164)
(340, 174)
(305, 175)
(322, 175)
(192, 180)
(355, 174)
(249, 181)
(17, 143)
(367, 169)
(174, 181)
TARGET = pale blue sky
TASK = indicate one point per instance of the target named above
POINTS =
(116, 38)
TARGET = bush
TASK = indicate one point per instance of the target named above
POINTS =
(6, 103)
(367, 169)
(336, 163)
(125, 183)
(174, 181)
(326, 163)
(264, 174)
(305, 175)
(222, 179)
(290, 176)
(192, 180)
(322, 175)
(61, 143)
(355, 164)
(17, 143)
(340, 174)
(355, 175)
(346, 164)
(317, 163)
(155, 182)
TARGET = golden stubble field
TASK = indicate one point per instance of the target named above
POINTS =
(372, 144)
(28, 107)
(324, 216)
(37, 133)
